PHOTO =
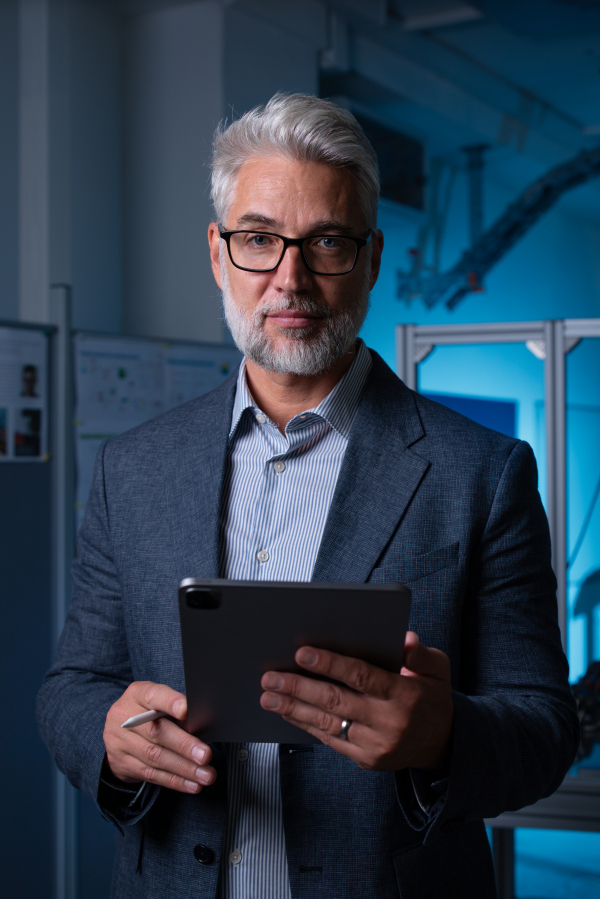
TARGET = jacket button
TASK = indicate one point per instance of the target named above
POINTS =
(204, 854)
(452, 825)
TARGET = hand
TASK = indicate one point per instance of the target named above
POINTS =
(398, 720)
(159, 752)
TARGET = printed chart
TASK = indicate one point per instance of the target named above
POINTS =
(121, 382)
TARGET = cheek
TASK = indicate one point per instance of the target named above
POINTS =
(247, 292)
(345, 293)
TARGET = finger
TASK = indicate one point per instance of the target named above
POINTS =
(166, 759)
(155, 764)
(170, 735)
(424, 660)
(327, 707)
(163, 731)
(160, 697)
(285, 690)
(355, 673)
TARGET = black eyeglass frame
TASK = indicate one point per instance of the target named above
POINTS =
(295, 242)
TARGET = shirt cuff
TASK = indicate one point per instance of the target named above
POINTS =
(429, 787)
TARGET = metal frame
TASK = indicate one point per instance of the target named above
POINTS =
(576, 804)
(415, 342)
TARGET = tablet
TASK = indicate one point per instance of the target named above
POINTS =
(234, 631)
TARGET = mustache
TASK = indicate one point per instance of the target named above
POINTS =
(293, 303)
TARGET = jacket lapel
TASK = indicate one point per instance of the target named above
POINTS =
(198, 481)
(379, 476)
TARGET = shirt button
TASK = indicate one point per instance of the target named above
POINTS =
(261, 418)
(262, 555)
(235, 857)
(279, 466)
(242, 755)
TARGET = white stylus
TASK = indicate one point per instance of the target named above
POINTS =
(152, 715)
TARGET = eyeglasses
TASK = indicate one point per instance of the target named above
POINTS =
(323, 254)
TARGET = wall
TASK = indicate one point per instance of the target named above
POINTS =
(95, 148)
(9, 111)
(173, 102)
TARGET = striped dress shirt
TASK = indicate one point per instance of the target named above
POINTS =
(276, 498)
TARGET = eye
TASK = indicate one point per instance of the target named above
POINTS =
(259, 240)
(329, 243)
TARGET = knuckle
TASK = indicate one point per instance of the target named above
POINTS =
(155, 728)
(326, 663)
(362, 677)
(333, 698)
(295, 686)
(183, 745)
(388, 691)
(174, 782)
(288, 706)
(153, 754)
(147, 773)
(325, 722)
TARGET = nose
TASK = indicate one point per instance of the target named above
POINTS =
(292, 275)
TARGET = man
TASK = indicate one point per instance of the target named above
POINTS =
(313, 462)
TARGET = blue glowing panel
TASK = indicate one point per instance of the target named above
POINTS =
(500, 415)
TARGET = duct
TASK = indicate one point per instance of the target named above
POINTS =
(468, 273)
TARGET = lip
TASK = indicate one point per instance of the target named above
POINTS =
(293, 318)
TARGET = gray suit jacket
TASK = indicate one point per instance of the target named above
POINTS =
(425, 497)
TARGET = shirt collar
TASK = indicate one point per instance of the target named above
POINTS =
(339, 406)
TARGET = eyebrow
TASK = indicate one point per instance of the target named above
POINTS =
(255, 218)
(323, 226)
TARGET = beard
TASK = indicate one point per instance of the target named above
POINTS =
(300, 351)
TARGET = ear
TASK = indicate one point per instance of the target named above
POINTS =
(214, 240)
(377, 242)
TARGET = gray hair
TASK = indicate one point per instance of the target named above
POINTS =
(302, 128)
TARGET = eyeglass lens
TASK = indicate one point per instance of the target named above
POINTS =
(324, 255)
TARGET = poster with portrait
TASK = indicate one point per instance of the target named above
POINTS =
(23, 395)
(121, 382)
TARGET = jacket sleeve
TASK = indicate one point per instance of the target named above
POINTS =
(516, 728)
(91, 669)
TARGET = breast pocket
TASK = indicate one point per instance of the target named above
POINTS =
(399, 570)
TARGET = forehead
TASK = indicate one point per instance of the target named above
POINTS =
(294, 194)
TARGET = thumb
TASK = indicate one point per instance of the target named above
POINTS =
(425, 661)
